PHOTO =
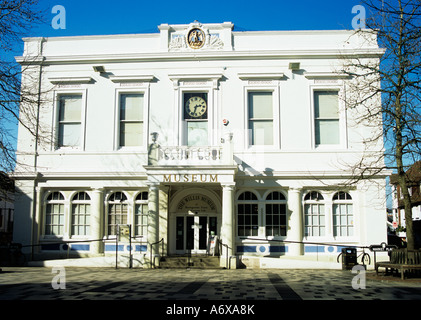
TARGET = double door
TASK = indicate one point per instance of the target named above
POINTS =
(193, 233)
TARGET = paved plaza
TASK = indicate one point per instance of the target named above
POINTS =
(41, 283)
(201, 294)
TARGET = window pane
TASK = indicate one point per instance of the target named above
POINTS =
(131, 134)
(260, 105)
(327, 131)
(326, 111)
(80, 219)
(69, 134)
(326, 104)
(54, 219)
(254, 220)
(141, 212)
(131, 107)
(261, 132)
(70, 108)
(197, 133)
(117, 214)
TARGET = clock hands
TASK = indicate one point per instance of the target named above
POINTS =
(196, 107)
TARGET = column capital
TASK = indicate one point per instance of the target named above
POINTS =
(228, 186)
(153, 185)
(295, 189)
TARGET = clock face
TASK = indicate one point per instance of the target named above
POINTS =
(196, 107)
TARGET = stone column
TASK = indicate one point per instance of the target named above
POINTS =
(163, 216)
(153, 219)
(96, 221)
(227, 229)
(295, 232)
(37, 227)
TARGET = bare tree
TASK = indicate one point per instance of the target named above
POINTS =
(396, 79)
(18, 101)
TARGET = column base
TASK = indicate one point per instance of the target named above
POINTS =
(295, 249)
(231, 263)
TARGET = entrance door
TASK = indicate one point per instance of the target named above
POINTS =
(192, 233)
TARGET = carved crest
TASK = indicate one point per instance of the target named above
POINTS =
(195, 38)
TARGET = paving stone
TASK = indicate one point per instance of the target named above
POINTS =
(168, 284)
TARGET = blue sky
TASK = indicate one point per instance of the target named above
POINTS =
(93, 17)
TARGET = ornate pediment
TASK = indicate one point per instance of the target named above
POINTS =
(195, 37)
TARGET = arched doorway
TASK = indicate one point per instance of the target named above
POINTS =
(195, 216)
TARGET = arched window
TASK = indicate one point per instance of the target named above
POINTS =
(314, 215)
(141, 214)
(343, 216)
(81, 210)
(54, 214)
(276, 209)
(248, 214)
(117, 211)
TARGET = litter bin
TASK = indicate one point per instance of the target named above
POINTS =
(349, 258)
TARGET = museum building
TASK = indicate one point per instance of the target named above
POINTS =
(193, 132)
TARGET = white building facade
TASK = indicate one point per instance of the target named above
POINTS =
(193, 131)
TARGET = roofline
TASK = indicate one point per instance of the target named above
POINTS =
(157, 34)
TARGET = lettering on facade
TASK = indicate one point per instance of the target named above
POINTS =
(190, 178)
(196, 203)
(133, 84)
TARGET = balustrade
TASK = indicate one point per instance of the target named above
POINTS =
(185, 154)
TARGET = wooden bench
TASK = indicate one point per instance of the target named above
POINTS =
(401, 260)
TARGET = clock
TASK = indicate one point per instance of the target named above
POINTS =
(196, 107)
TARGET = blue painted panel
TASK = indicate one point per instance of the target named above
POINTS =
(246, 249)
(111, 247)
(80, 247)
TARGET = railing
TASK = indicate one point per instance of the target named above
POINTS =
(161, 253)
(226, 252)
(363, 256)
(152, 261)
(181, 155)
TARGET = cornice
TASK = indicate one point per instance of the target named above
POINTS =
(58, 80)
(78, 175)
(203, 55)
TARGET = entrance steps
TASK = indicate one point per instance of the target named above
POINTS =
(193, 262)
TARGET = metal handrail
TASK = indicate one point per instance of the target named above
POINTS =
(136, 238)
(150, 251)
(227, 258)
(364, 255)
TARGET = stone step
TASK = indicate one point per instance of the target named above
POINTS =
(196, 262)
